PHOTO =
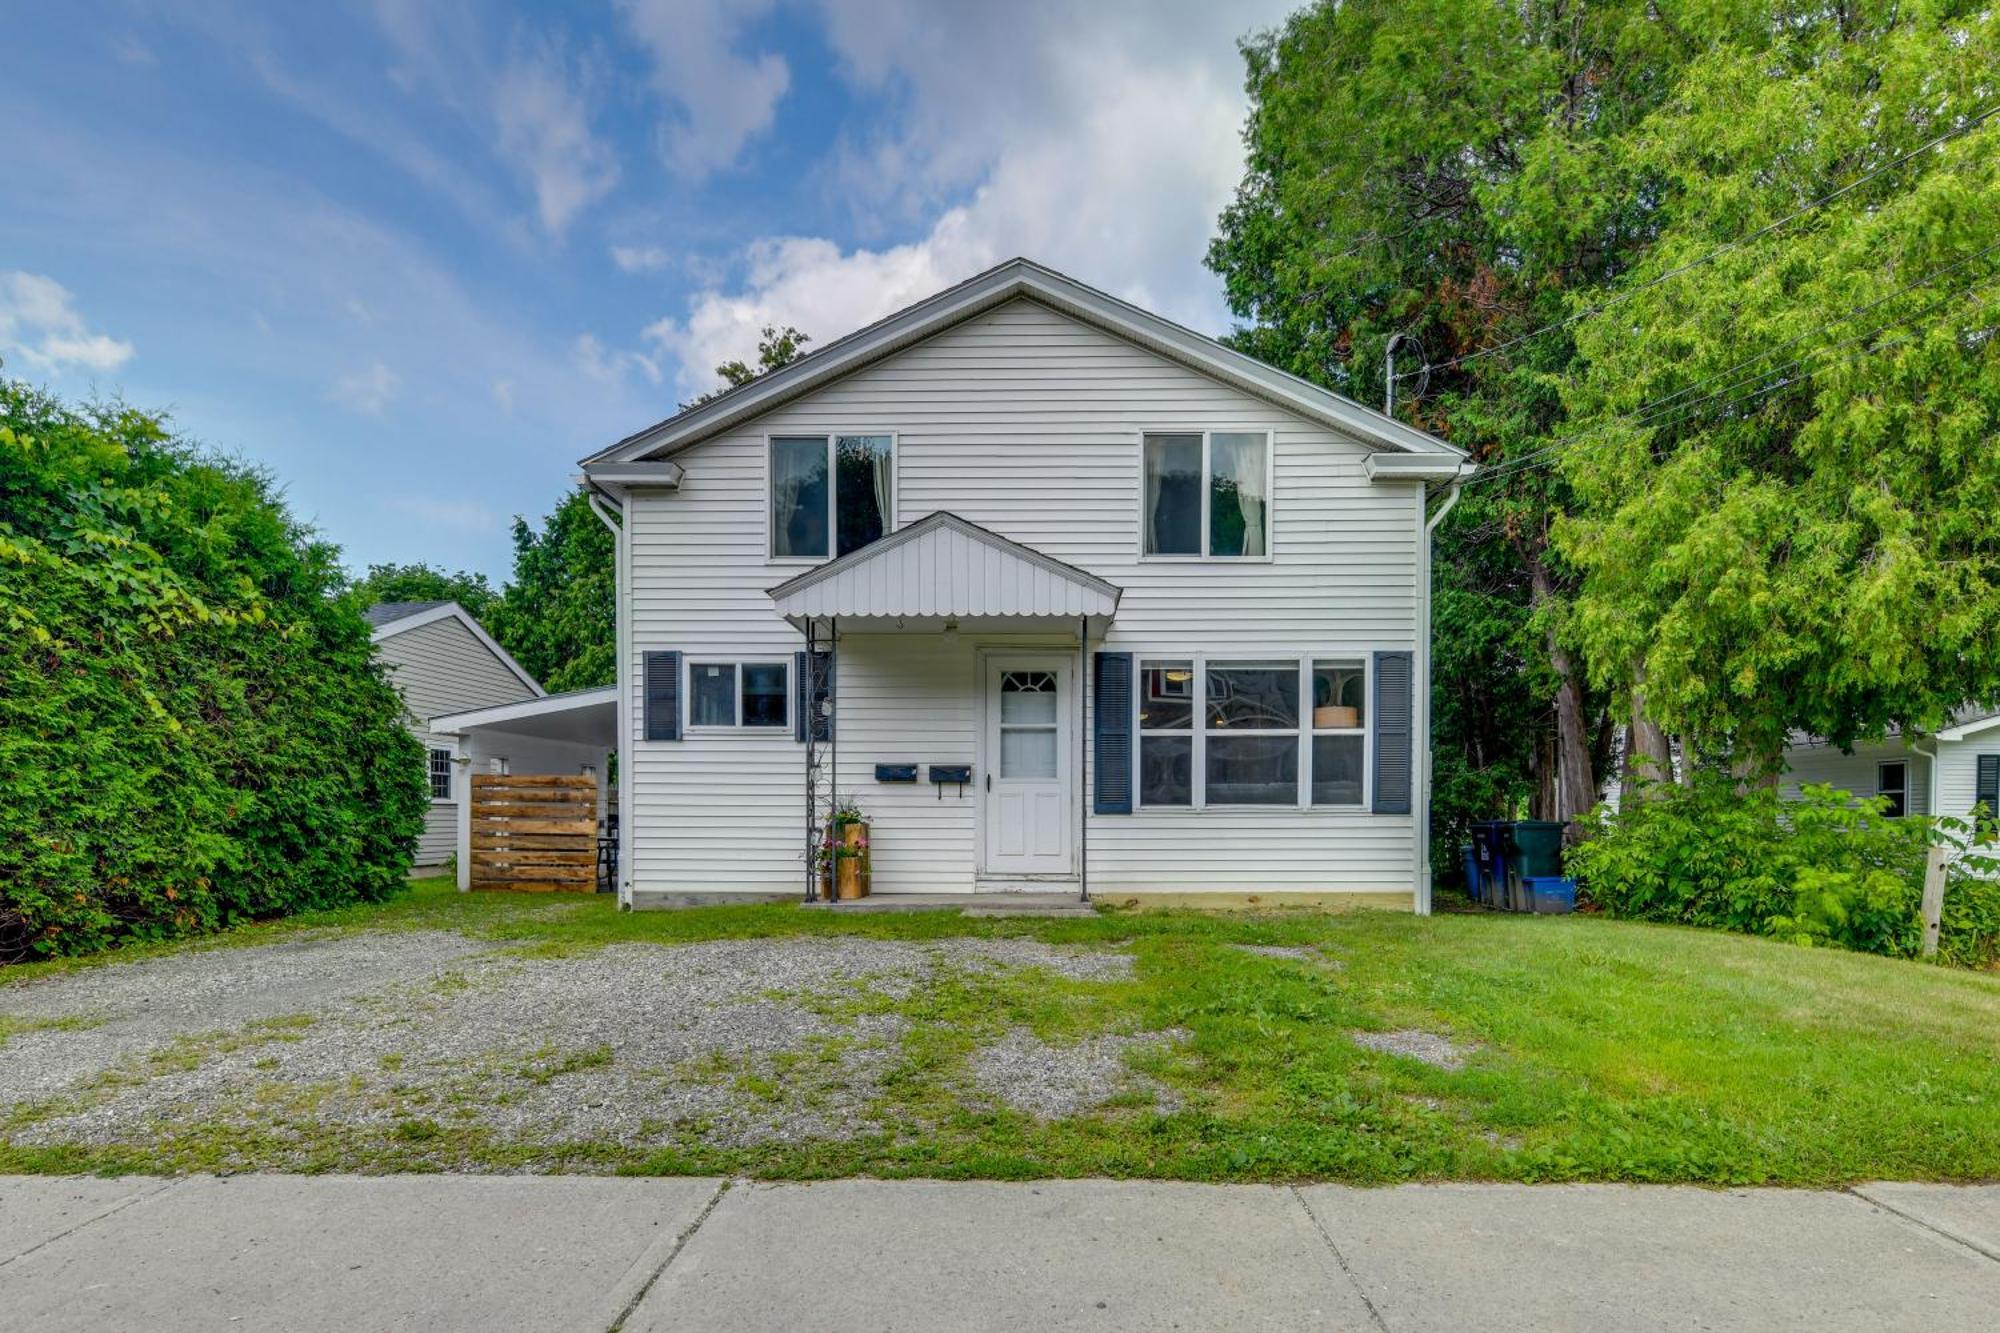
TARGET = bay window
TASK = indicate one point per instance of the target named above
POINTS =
(1206, 493)
(830, 494)
(1276, 731)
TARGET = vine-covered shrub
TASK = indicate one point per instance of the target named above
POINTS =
(1821, 869)
(192, 732)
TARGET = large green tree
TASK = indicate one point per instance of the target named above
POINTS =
(193, 730)
(420, 583)
(558, 614)
(1443, 170)
(1785, 428)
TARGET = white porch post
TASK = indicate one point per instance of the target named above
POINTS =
(463, 766)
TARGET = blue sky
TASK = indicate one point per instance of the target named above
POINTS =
(417, 257)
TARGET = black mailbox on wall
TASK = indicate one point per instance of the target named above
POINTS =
(958, 773)
(895, 772)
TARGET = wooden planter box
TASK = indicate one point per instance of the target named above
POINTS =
(851, 871)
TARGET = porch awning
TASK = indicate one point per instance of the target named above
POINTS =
(944, 568)
(581, 717)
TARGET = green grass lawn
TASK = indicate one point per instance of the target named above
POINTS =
(1601, 1051)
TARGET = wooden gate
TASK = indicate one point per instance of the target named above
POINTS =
(536, 833)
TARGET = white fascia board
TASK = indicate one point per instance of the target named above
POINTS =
(1417, 467)
(636, 476)
(1972, 728)
(452, 724)
(1015, 278)
(451, 611)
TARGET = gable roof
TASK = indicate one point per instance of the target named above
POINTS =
(983, 292)
(383, 612)
(943, 565)
(1974, 722)
(429, 613)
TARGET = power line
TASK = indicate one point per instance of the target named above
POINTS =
(1723, 249)
(1660, 413)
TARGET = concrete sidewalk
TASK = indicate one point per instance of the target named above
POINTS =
(462, 1252)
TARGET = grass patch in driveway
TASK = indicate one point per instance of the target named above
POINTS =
(1591, 1050)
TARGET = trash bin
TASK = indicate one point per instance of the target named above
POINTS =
(1468, 856)
(1489, 844)
(1534, 851)
(1551, 895)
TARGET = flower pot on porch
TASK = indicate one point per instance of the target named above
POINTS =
(851, 862)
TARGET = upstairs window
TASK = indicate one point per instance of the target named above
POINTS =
(830, 494)
(1207, 494)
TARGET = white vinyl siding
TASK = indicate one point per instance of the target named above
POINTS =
(1026, 422)
(443, 668)
(1858, 773)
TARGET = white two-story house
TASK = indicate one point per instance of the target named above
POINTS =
(1063, 595)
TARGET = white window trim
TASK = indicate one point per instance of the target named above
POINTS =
(890, 521)
(451, 771)
(1883, 766)
(1270, 435)
(1199, 730)
(690, 661)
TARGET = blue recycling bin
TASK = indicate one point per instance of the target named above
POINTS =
(1550, 895)
(1489, 845)
(1468, 856)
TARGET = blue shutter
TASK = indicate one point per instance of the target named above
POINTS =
(801, 696)
(1113, 724)
(1394, 739)
(662, 697)
(1986, 788)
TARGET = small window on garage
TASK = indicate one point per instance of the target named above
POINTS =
(440, 775)
(1892, 784)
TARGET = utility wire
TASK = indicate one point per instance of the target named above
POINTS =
(1720, 250)
(1543, 456)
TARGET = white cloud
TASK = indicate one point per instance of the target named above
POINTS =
(39, 323)
(607, 365)
(545, 135)
(721, 97)
(639, 258)
(367, 390)
(1103, 141)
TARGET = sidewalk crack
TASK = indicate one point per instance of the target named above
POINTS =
(1982, 1250)
(160, 1187)
(680, 1243)
(1374, 1315)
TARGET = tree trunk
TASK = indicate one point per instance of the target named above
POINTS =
(1648, 758)
(1576, 780)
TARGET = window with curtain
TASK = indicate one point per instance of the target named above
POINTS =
(1206, 494)
(830, 494)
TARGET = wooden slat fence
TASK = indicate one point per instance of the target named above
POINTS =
(534, 832)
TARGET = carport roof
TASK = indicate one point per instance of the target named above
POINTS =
(584, 717)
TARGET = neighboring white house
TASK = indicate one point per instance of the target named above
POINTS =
(443, 662)
(1079, 599)
(1946, 774)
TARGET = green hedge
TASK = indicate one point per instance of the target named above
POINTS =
(192, 732)
(1821, 869)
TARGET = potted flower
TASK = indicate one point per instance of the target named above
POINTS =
(847, 851)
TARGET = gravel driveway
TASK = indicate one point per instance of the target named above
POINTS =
(327, 1047)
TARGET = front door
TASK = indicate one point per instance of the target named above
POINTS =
(1028, 794)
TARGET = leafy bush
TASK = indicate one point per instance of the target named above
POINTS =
(1822, 869)
(192, 732)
